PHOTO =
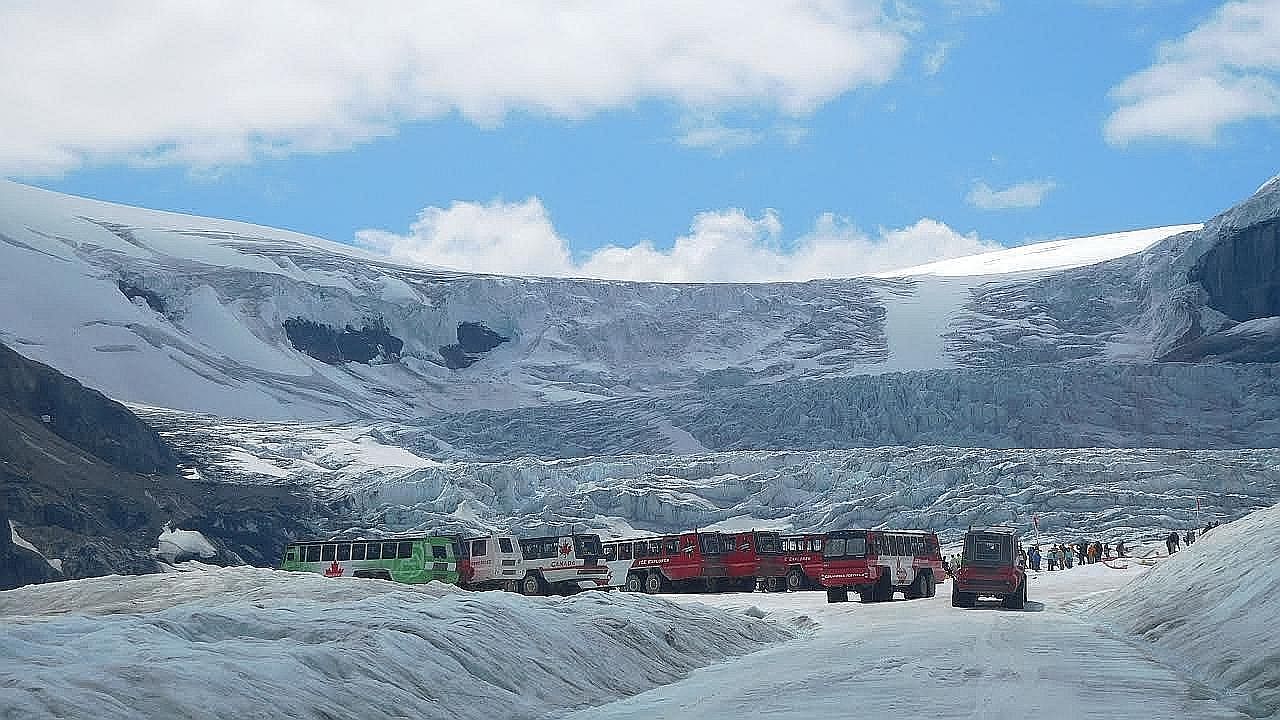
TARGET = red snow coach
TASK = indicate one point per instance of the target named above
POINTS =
(802, 558)
(705, 561)
(878, 563)
(989, 567)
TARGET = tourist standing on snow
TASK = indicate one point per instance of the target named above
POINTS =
(1171, 542)
(1066, 556)
(1191, 536)
(1033, 557)
(1120, 548)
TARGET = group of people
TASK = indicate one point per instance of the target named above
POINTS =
(1173, 541)
(1065, 556)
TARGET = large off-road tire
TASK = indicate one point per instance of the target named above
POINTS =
(531, 585)
(837, 594)
(653, 583)
(635, 582)
(1017, 599)
(917, 588)
(931, 586)
(775, 584)
(961, 599)
(795, 579)
(884, 588)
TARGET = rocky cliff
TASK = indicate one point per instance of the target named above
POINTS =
(90, 486)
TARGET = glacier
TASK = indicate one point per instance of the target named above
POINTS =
(191, 313)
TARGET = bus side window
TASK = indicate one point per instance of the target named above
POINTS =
(640, 546)
(406, 550)
(655, 548)
(344, 552)
(504, 545)
(610, 553)
(389, 551)
(357, 551)
(327, 554)
(374, 552)
(313, 553)
(291, 554)
(673, 546)
(438, 552)
(479, 548)
(817, 545)
(624, 551)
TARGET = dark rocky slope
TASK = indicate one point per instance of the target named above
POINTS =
(90, 484)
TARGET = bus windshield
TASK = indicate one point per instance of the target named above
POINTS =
(768, 543)
(845, 546)
(587, 545)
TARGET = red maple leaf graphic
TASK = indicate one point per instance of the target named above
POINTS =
(334, 570)
(565, 549)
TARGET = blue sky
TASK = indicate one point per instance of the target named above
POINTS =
(829, 129)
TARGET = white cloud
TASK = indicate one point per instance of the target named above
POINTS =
(934, 61)
(1226, 70)
(1027, 194)
(721, 246)
(719, 138)
(214, 82)
(973, 8)
(497, 237)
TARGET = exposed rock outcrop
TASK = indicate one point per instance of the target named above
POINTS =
(85, 418)
(474, 339)
(92, 486)
(372, 342)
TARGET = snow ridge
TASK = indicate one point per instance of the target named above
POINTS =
(1210, 610)
(240, 642)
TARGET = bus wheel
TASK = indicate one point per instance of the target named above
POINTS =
(795, 580)
(837, 594)
(884, 588)
(653, 583)
(634, 582)
(530, 585)
(512, 586)
(774, 584)
(930, 587)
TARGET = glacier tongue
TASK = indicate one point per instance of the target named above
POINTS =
(371, 485)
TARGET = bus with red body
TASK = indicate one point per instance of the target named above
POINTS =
(878, 563)
(802, 559)
(706, 561)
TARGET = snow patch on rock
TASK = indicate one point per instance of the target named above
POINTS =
(173, 544)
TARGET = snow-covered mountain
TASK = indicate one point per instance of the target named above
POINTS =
(240, 320)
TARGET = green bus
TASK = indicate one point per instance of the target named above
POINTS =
(416, 559)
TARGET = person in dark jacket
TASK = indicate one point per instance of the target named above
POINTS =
(1120, 548)
(1171, 542)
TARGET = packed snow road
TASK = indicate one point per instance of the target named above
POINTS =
(925, 659)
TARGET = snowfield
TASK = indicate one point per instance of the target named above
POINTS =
(1114, 640)
(1212, 610)
(243, 642)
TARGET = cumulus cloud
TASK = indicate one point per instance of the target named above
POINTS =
(1224, 71)
(1027, 194)
(721, 246)
(152, 81)
(934, 61)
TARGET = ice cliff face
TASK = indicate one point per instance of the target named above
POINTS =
(371, 485)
